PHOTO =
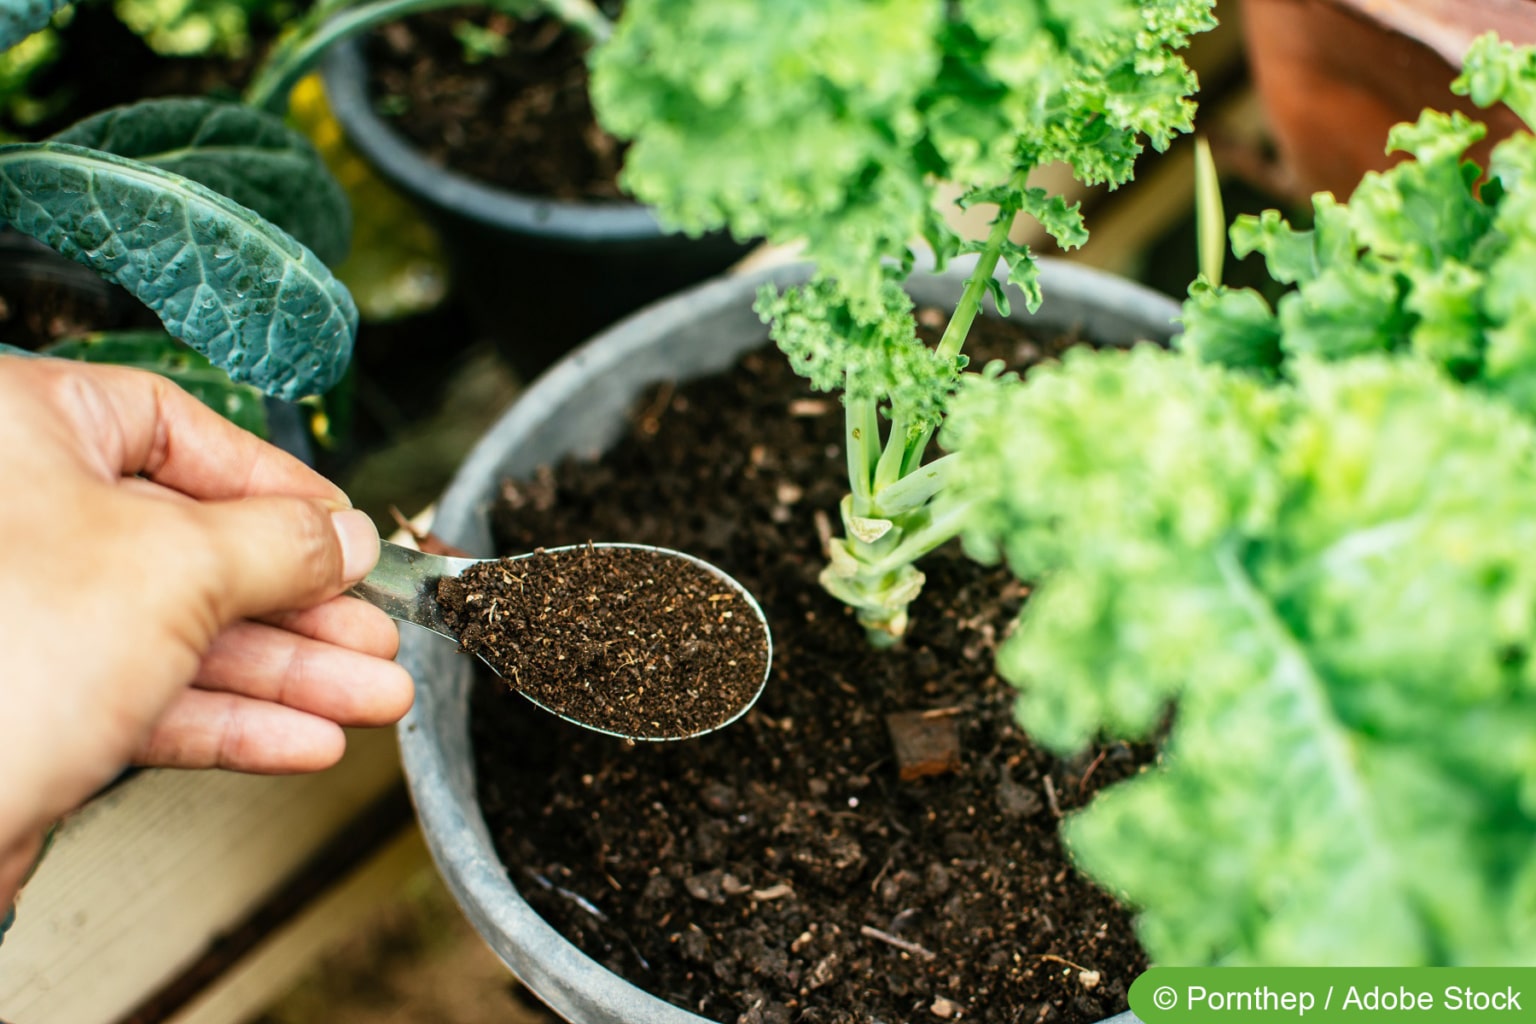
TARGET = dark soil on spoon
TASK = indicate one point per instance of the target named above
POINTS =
(782, 870)
(619, 639)
(521, 120)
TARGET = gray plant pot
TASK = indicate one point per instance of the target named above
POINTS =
(579, 408)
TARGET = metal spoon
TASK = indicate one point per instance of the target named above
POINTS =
(404, 586)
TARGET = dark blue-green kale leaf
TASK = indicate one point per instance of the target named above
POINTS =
(258, 304)
(248, 155)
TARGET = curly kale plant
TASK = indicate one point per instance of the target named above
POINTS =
(834, 122)
(1333, 585)
(1425, 259)
(1300, 555)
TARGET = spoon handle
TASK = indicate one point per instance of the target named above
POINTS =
(404, 586)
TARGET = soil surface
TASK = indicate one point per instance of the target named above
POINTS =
(620, 639)
(781, 870)
(520, 118)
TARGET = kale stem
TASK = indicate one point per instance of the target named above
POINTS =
(923, 539)
(294, 58)
(911, 492)
(893, 455)
(889, 482)
(862, 428)
(581, 15)
(289, 63)
(986, 263)
(903, 458)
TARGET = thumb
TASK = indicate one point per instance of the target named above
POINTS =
(274, 554)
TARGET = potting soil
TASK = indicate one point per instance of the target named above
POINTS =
(520, 119)
(781, 870)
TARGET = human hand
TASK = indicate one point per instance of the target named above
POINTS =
(169, 596)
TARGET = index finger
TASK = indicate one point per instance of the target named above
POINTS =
(139, 423)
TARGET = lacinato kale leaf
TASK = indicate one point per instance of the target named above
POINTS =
(258, 304)
(1321, 597)
(243, 153)
(21, 18)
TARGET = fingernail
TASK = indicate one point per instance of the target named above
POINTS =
(359, 543)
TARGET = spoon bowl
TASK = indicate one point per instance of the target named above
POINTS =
(404, 585)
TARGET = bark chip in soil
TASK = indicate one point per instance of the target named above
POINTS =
(625, 640)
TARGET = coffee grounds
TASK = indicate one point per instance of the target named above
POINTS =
(620, 639)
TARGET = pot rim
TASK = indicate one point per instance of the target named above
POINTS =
(461, 847)
(344, 73)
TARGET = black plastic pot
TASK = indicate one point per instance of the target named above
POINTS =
(32, 276)
(538, 275)
(579, 408)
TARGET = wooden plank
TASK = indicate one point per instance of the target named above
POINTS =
(346, 851)
(142, 880)
(288, 953)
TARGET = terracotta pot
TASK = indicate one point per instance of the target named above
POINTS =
(1335, 75)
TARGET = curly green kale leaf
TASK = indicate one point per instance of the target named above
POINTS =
(1233, 327)
(1508, 301)
(1425, 209)
(1160, 455)
(833, 121)
(802, 113)
(1347, 302)
(881, 359)
(1403, 267)
(1494, 71)
(1423, 261)
(1332, 585)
